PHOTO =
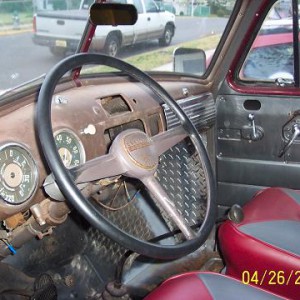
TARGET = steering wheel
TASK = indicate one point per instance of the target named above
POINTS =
(134, 154)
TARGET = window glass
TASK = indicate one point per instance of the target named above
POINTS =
(149, 44)
(138, 5)
(87, 3)
(272, 54)
(150, 6)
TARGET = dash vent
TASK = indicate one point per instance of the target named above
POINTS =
(111, 133)
(114, 105)
(201, 110)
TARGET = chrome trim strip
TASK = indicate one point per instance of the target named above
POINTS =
(201, 110)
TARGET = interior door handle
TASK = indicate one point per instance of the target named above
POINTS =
(149, 19)
(252, 132)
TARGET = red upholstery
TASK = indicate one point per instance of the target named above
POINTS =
(271, 204)
(185, 286)
(206, 286)
(243, 252)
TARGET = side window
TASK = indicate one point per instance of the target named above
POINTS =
(269, 62)
(138, 5)
(87, 3)
(271, 56)
(151, 6)
(119, 1)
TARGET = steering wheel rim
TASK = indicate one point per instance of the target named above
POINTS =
(64, 178)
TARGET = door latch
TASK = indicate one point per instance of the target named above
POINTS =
(252, 132)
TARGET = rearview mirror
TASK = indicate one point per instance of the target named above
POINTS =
(113, 14)
(189, 60)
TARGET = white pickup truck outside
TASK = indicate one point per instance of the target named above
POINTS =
(62, 30)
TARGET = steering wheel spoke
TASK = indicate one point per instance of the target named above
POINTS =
(168, 206)
(167, 139)
(98, 168)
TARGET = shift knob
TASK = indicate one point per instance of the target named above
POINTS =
(236, 214)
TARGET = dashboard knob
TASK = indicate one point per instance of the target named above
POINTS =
(90, 129)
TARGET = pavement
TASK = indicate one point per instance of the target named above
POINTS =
(15, 29)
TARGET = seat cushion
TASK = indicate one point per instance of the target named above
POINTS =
(264, 249)
(206, 286)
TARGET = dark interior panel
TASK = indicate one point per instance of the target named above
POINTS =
(251, 133)
(232, 193)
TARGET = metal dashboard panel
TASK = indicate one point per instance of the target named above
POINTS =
(201, 110)
(180, 171)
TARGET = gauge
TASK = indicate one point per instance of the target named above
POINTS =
(70, 148)
(18, 174)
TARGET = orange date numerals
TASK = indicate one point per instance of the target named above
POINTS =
(271, 277)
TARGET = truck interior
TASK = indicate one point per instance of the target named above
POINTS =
(117, 183)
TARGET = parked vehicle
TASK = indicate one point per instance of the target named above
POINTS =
(271, 54)
(279, 60)
(121, 181)
(62, 30)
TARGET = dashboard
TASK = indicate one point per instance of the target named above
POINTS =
(85, 120)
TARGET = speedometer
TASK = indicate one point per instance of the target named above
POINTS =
(18, 174)
(69, 147)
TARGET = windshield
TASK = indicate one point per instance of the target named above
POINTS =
(35, 35)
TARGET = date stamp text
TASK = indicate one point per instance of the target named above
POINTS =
(271, 277)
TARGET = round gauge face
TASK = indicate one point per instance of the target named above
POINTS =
(18, 174)
(69, 148)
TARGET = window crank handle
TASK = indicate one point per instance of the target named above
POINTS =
(296, 133)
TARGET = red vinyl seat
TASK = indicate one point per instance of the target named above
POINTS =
(264, 249)
(206, 286)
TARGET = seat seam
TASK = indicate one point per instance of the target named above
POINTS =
(266, 244)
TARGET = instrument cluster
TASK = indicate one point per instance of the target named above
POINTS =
(70, 148)
(18, 169)
(18, 174)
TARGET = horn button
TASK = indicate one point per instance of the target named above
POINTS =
(141, 150)
(137, 151)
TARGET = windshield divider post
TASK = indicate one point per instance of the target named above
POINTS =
(84, 44)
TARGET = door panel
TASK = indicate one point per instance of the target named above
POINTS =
(140, 28)
(258, 110)
(244, 164)
(155, 27)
